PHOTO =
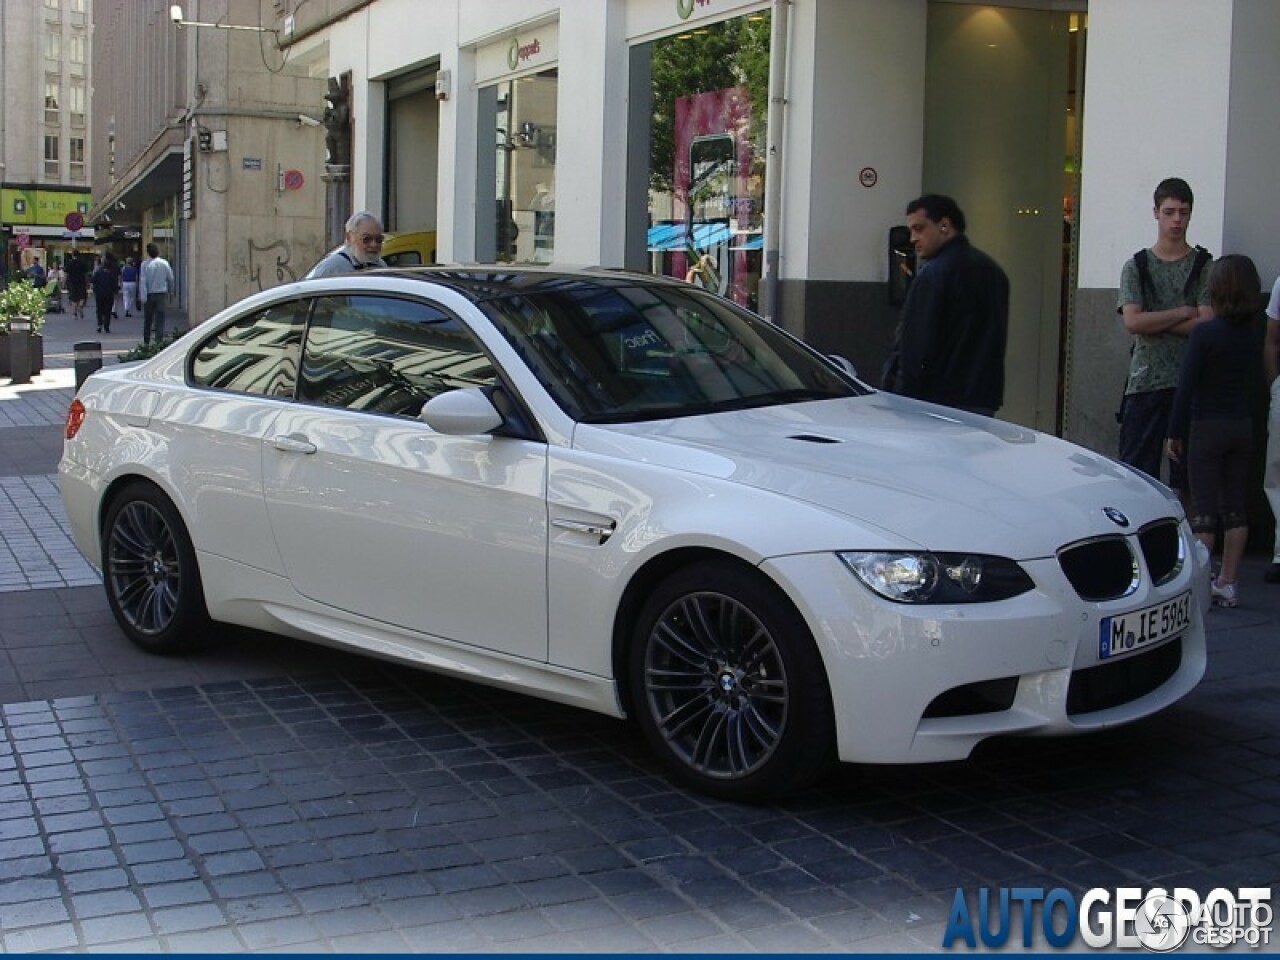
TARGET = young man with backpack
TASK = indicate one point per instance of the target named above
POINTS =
(1164, 293)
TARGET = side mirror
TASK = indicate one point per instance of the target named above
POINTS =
(461, 413)
(844, 364)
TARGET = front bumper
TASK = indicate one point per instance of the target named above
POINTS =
(907, 682)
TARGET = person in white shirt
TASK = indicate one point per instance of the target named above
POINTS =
(155, 284)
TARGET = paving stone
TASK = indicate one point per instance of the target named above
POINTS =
(368, 808)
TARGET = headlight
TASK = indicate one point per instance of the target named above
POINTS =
(939, 578)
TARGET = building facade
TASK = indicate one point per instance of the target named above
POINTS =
(45, 70)
(764, 147)
(207, 143)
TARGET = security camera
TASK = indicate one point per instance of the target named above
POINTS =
(306, 121)
(175, 13)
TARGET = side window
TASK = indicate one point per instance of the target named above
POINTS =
(257, 354)
(385, 355)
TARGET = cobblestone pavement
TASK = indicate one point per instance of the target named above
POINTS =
(266, 795)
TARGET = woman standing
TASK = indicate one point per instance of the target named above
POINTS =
(1211, 415)
(77, 271)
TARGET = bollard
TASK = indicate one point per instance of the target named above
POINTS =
(20, 350)
(88, 356)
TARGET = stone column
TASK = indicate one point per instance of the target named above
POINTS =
(337, 142)
(337, 201)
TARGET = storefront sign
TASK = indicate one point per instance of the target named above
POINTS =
(48, 207)
(520, 54)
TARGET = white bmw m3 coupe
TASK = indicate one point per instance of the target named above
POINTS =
(624, 493)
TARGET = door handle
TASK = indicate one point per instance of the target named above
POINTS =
(293, 443)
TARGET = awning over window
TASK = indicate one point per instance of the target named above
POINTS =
(671, 236)
(668, 237)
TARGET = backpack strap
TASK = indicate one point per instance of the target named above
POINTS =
(1145, 285)
(1192, 285)
(1189, 289)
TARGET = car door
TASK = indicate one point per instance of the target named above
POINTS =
(378, 515)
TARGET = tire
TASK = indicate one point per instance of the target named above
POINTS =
(727, 684)
(150, 574)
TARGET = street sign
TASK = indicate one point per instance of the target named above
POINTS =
(73, 221)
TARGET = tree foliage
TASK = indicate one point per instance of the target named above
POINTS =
(728, 54)
(21, 298)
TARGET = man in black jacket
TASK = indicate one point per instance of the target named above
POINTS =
(955, 321)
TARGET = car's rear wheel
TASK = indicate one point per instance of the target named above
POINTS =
(150, 573)
(728, 686)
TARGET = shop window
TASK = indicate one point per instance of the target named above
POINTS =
(700, 105)
(518, 169)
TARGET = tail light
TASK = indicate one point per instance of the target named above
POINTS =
(75, 419)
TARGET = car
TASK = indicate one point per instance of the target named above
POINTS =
(412, 249)
(625, 493)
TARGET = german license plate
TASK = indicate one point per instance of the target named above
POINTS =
(1143, 629)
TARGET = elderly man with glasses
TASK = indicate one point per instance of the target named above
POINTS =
(360, 250)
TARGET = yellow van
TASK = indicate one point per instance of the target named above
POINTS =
(409, 249)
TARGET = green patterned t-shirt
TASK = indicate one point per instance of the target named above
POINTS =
(1157, 359)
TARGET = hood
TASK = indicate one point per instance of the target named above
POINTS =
(936, 478)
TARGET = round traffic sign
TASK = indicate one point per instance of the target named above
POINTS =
(293, 180)
(73, 221)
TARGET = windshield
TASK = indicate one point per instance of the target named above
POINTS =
(615, 354)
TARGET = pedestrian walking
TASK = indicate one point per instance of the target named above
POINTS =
(104, 285)
(129, 284)
(77, 271)
(155, 283)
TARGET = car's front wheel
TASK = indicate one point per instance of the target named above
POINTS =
(728, 686)
(150, 573)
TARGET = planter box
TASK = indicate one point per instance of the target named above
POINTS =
(37, 354)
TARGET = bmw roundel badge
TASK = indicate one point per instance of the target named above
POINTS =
(1116, 517)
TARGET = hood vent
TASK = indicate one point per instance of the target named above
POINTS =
(813, 438)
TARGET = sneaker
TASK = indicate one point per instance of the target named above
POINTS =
(1272, 573)
(1224, 594)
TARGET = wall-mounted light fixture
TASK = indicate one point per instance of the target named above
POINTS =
(175, 14)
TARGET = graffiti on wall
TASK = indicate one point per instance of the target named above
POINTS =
(261, 255)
